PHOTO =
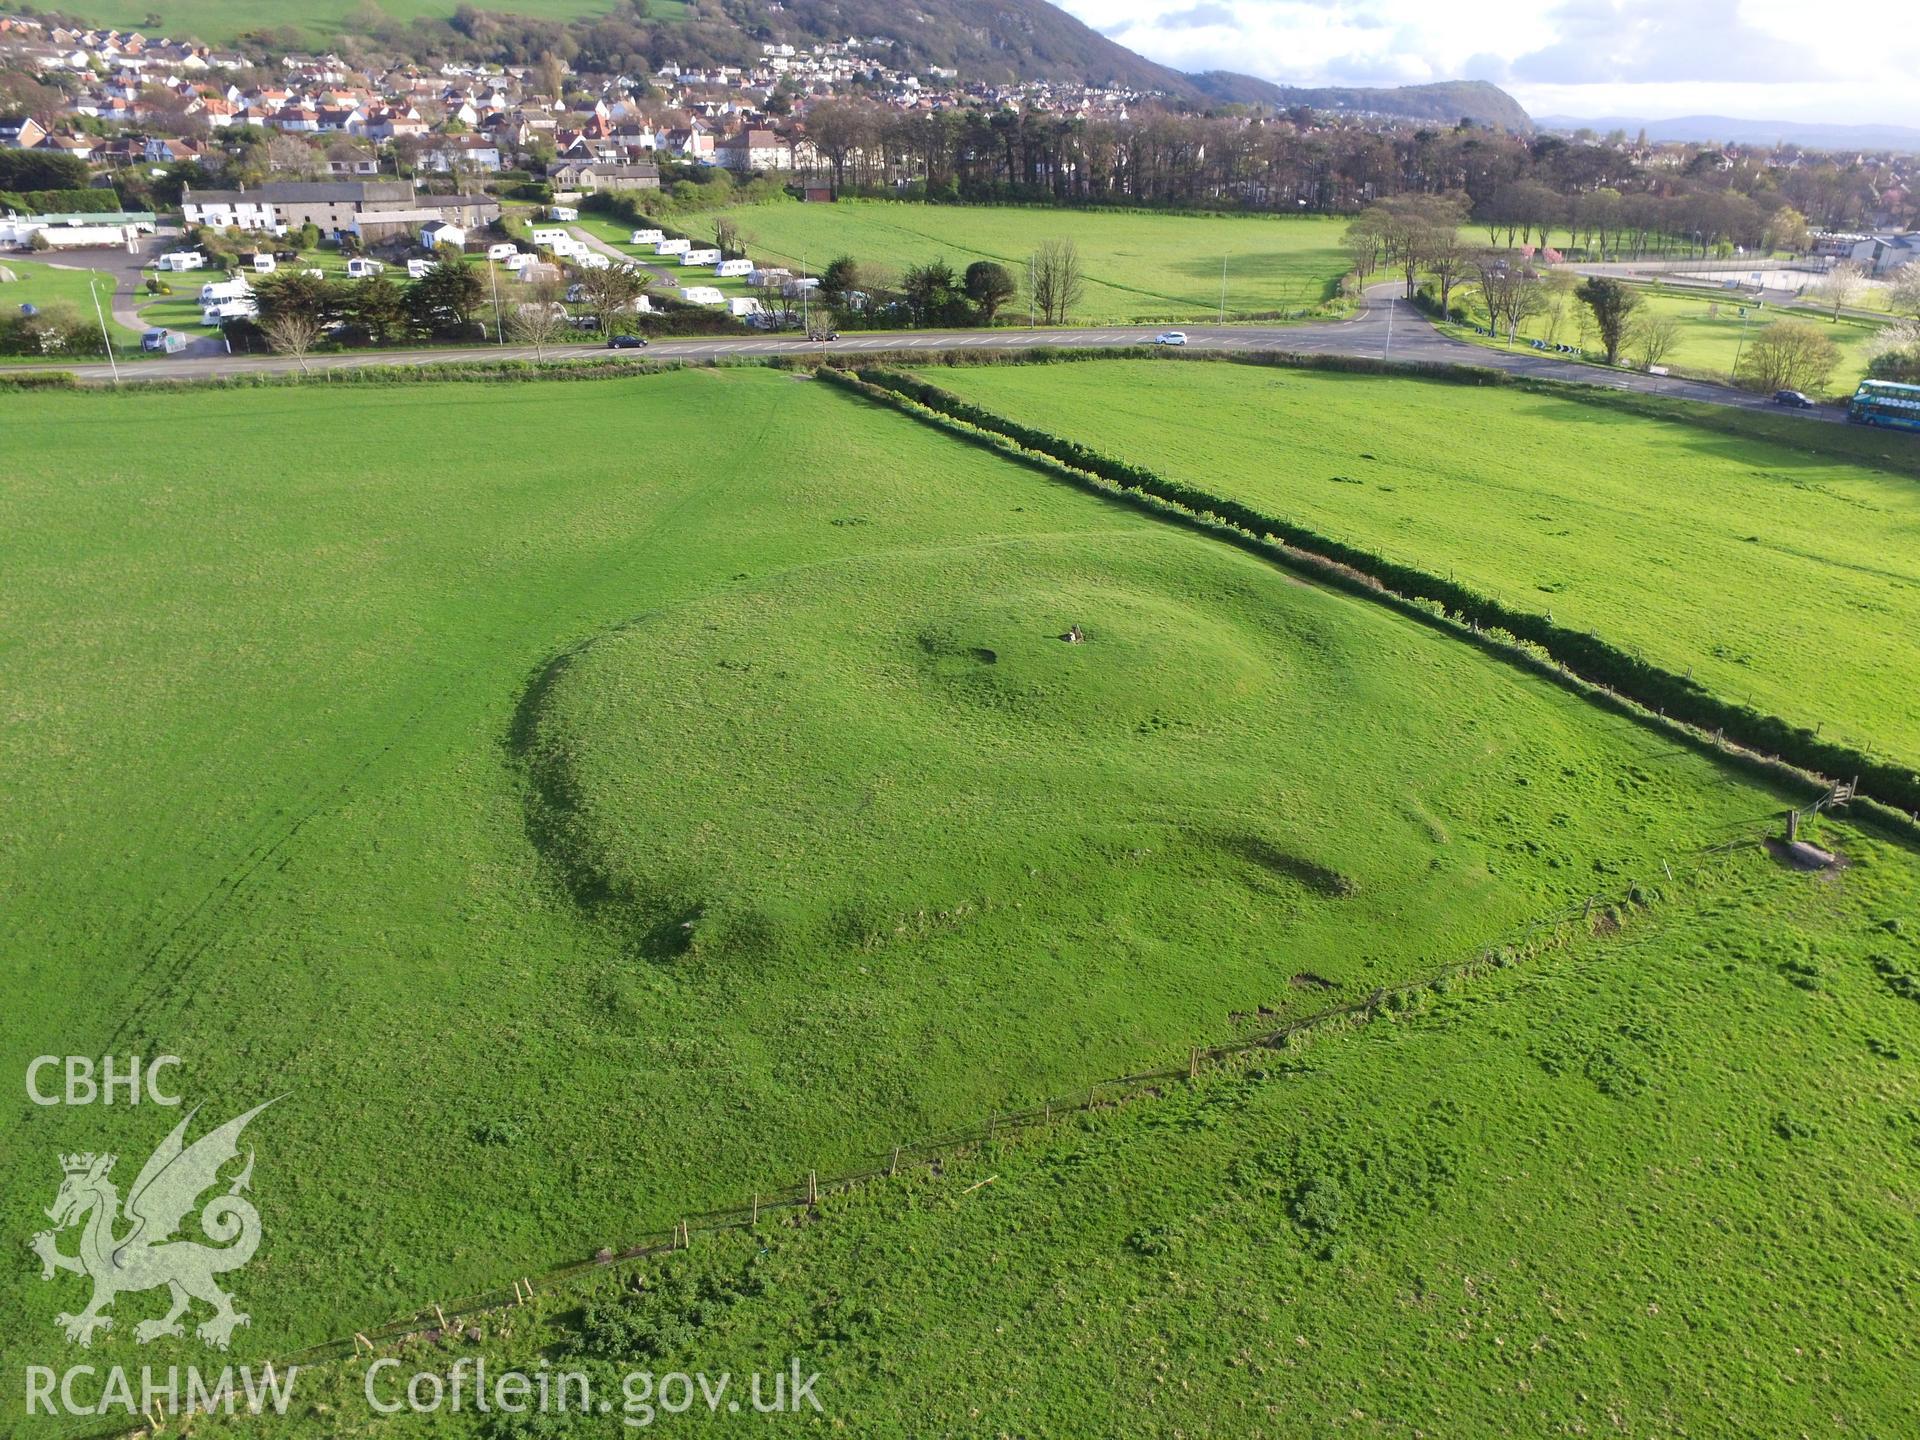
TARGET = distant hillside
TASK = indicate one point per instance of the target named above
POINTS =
(1809, 135)
(1445, 102)
(986, 40)
(991, 40)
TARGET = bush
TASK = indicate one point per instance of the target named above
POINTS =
(1788, 355)
(55, 330)
(1900, 365)
(1320, 1205)
(679, 319)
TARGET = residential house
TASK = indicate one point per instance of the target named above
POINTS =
(348, 160)
(21, 132)
(593, 175)
(450, 153)
(1883, 254)
(752, 149)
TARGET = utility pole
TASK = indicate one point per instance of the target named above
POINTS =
(93, 289)
(1223, 289)
(1030, 290)
(499, 322)
(1746, 314)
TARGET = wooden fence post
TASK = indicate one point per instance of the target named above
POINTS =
(893, 1165)
(813, 1187)
(756, 1210)
(1193, 1063)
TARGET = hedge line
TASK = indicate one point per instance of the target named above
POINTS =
(438, 372)
(1587, 656)
(59, 202)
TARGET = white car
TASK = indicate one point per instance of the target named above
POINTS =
(1171, 337)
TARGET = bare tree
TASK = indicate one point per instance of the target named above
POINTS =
(1364, 239)
(1529, 299)
(1903, 291)
(1449, 259)
(289, 156)
(1058, 284)
(1842, 285)
(1788, 355)
(1651, 338)
(292, 333)
(540, 319)
(1558, 288)
(838, 132)
(1414, 227)
(608, 295)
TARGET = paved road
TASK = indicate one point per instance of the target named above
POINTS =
(661, 274)
(1386, 327)
(127, 268)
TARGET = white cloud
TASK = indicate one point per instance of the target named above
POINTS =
(1771, 58)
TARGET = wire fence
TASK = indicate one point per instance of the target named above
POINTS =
(438, 1319)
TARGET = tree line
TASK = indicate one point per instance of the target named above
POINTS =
(1430, 247)
(1602, 197)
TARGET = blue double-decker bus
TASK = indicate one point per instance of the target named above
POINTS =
(1886, 402)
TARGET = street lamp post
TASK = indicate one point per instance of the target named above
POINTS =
(93, 289)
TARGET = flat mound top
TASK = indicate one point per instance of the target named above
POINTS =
(798, 769)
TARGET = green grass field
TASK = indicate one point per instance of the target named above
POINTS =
(1767, 573)
(1139, 267)
(40, 284)
(1712, 331)
(586, 833)
(1655, 1184)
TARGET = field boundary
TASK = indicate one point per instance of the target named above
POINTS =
(1594, 667)
(1598, 916)
(1679, 410)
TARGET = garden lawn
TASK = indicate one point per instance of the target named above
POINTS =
(1140, 267)
(585, 834)
(1768, 572)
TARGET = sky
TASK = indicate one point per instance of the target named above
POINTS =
(1655, 59)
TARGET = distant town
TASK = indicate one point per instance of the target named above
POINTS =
(151, 114)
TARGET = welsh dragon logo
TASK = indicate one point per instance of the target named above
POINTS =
(133, 1247)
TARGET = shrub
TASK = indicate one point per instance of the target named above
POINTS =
(55, 330)
(1320, 1205)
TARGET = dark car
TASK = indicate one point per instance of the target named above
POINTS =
(1793, 399)
(625, 342)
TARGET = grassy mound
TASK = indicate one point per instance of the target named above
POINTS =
(385, 774)
(900, 756)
